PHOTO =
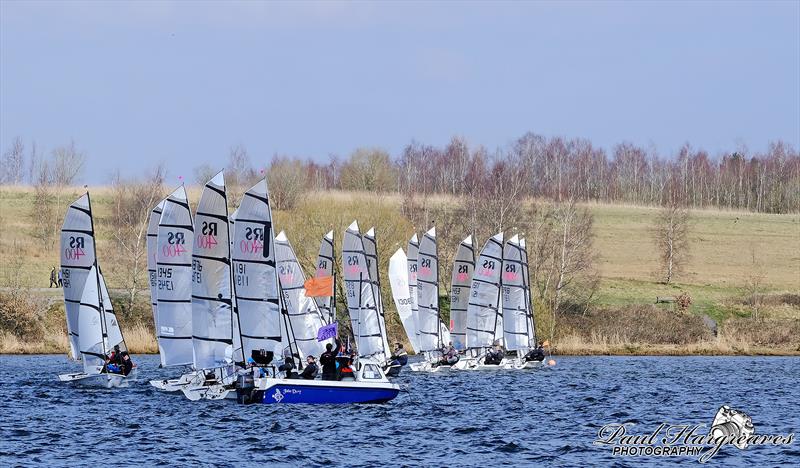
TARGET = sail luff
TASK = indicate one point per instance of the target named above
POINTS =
(413, 255)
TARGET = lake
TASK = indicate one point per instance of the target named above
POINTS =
(546, 416)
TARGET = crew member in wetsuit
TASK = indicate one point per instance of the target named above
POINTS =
(310, 372)
(288, 368)
(449, 355)
(342, 358)
(115, 357)
(495, 355)
(126, 365)
(328, 361)
(399, 357)
(536, 354)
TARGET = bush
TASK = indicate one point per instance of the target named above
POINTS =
(20, 315)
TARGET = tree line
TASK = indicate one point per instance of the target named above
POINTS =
(535, 166)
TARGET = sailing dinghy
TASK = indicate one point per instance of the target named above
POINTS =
(519, 333)
(483, 309)
(91, 323)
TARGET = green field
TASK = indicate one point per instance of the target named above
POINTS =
(723, 245)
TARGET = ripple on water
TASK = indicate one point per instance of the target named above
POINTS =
(548, 416)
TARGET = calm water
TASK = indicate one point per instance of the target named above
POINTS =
(545, 416)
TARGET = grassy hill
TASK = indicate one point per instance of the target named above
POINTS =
(724, 245)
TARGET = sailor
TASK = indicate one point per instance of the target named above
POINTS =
(310, 372)
(115, 357)
(495, 355)
(536, 354)
(449, 355)
(399, 356)
(127, 364)
(328, 361)
(288, 368)
(342, 358)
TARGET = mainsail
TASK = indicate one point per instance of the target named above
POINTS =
(77, 258)
(463, 267)
(368, 324)
(305, 319)
(373, 266)
(92, 339)
(398, 280)
(428, 293)
(152, 247)
(255, 277)
(413, 253)
(113, 331)
(212, 316)
(325, 268)
(174, 276)
(517, 325)
(482, 310)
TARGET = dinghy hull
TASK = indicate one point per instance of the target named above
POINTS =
(98, 380)
(292, 391)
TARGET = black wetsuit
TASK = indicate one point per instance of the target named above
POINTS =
(536, 354)
(328, 361)
(310, 372)
(288, 368)
(127, 366)
(493, 357)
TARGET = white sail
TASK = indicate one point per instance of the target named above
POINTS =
(368, 324)
(77, 258)
(325, 268)
(174, 276)
(238, 355)
(152, 247)
(212, 315)
(483, 312)
(113, 331)
(428, 293)
(398, 280)
(413, 254)
(517, 329)
(255, 276)
(373, 266)
(305, 319)
(463, 267)
(526, 276)
(92, 341)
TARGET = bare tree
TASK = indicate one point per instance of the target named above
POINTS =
(562, 258)
(45, 219)
(12, 165)
(670, 233)
(369, 170)
(239, 173)
(203, 173)
(287, 182)
(133, 201)
(67, 163)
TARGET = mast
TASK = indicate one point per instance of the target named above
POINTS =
(104, 332)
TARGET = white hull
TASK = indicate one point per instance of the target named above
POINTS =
(428, 366)
(99, 380)
(174, 385)
(505, 364)
(220, 388)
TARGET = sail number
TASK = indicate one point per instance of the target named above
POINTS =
(241, 278)
(197, 272)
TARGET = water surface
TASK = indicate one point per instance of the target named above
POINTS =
(547, 416)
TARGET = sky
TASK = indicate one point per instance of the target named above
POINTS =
(136, 84)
